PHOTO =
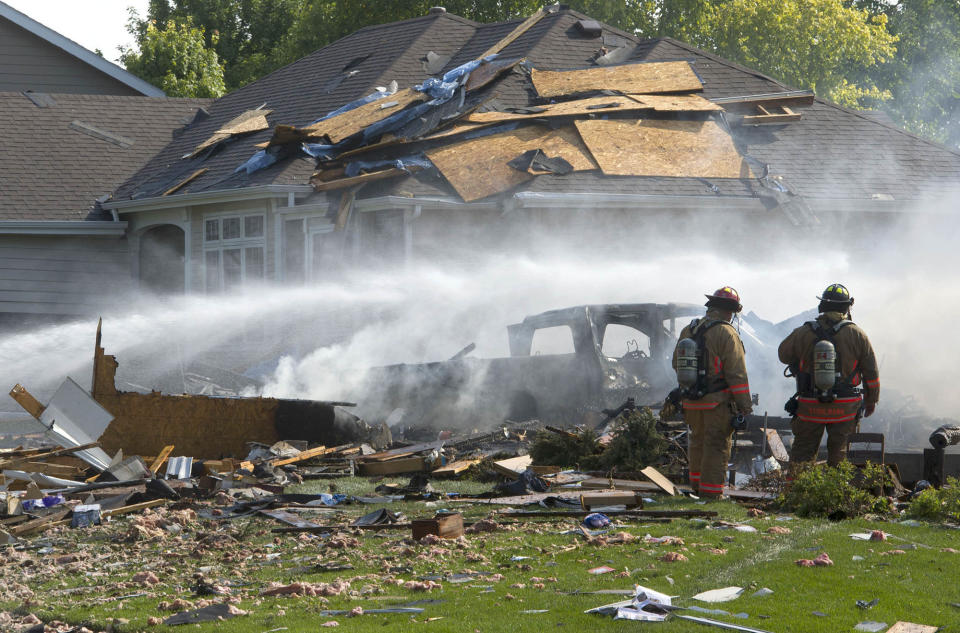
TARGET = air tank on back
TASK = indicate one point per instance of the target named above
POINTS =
(687, 363)
(824, 366)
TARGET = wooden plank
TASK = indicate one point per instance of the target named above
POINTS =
(249, 121)
(910, 627)
(353, 121)
(665, 484)
(186, 181)
(455, 468)
(478, 168)
(393, 467)
(677, 103)
(342, 183)
(630, 499)
(30, 404)
(44, 468)
(403, 451)
(777, 448)
(747, 103)
(136, 507)
(649, 147)
(40, 523)
(514, 466)
(40, 454)
(302, 456)
(641, 78)
(770, 119)
(522, 28)
(162, 457)
(592, 105)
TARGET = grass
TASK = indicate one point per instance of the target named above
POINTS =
(918, 585)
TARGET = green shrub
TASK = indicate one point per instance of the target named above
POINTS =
(580, 451)
(636, 442)
(840, 492)
(937, 505)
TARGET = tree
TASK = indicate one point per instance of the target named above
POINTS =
(244, 33)
(815, 44)
(923, 77)
(176, 59)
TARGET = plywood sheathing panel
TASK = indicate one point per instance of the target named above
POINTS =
(349, 123)
(677, 103)
(646, 78)
(478, 168)
(340, 183)
(593, 105)
(650, 147)
(249, 121)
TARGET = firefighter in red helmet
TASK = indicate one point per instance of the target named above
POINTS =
(838, 379)
(715, 393)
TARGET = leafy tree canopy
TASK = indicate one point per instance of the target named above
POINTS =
(176, 59)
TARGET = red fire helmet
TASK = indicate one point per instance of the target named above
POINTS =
(728, 294)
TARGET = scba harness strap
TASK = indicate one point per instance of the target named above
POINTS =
(698, 328)
(844, 386)
(844, 401)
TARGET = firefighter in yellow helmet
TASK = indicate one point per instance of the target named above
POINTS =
(838, 380)
(712, 372)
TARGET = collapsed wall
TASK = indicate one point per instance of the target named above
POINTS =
(211, 427)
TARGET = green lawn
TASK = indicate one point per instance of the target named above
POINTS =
(918, 585)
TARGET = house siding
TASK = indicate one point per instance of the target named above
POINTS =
(62, 275)
(27, 62)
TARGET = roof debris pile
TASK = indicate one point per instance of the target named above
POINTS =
(639, 119)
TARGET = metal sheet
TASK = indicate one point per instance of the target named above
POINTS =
(73, 418)
(179, 467)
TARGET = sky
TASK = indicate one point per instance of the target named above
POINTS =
(91, 23)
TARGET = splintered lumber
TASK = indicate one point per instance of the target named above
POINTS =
(653, 514)
(249, 121)
(593, 105)
(677, 103)
(32, 454)
(351, 122)
(652, 147)
(747, 103)
(641, 78)
(341, 183)
(393, 467)
(777, 448)
(522, 28)
(162, 457)
(478, 168)
(665, 484)
(39, 523)
(403, 451)
(317, 451)
(766, 117)
(186, 181)
(30, 404)
(455, 468)
(514, 466)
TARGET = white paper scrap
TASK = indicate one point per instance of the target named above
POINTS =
(719, 595)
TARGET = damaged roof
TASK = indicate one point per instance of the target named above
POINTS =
(63, 151)
(821, 150)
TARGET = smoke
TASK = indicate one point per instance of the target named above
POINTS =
(313, 342)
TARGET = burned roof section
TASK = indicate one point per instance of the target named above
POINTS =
(439, 97)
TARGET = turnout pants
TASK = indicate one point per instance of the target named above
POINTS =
(807, 437)
(709, 448)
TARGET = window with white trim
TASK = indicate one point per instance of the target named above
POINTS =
(233, 251)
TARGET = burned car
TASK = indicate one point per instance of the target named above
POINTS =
(565, 367)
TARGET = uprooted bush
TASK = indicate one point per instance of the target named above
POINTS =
(580, 449)
(838, 492)
(634, 445)
(935, 504)
(636, 442)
